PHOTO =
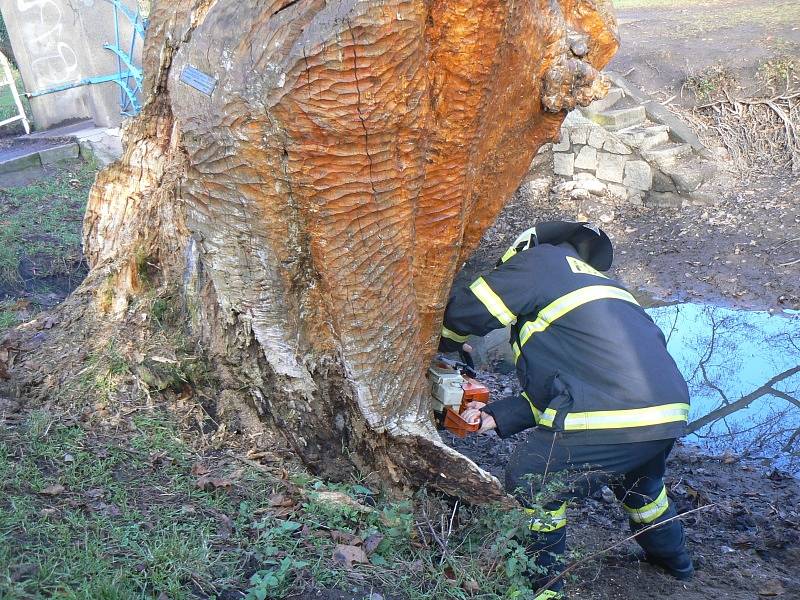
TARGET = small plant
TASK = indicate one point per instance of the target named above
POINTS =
(780, 73)
(711, 82)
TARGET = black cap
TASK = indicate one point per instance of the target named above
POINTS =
(591, 242)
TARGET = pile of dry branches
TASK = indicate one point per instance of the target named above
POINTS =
(758, 131)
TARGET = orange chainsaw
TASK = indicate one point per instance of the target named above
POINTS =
(453, 387)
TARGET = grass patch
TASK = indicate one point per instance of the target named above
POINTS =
(8, 107)
(139, 515)
(41, 223)
(8, 319)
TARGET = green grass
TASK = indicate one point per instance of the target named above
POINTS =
(8, 107)
(129, 521)
(42, 222)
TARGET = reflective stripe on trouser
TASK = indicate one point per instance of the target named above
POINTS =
(648, 513)
(553, 517)
(647, 504)
(548, 542)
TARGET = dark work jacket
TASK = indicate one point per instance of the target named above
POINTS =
(591, 362)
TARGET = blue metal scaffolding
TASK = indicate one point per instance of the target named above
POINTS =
(128, 77)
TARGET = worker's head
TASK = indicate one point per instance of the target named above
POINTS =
(589, 241)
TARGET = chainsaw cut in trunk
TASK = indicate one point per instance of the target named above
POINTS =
(307, 177)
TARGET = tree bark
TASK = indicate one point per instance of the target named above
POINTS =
(313, 208)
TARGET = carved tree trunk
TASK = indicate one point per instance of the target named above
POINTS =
(314, 207)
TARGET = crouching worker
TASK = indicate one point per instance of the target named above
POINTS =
(602, 393)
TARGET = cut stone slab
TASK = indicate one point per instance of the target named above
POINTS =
(564, 163)
(667, 154)
(638, 175)
(664, 200)
(21, 163)
(615, 146)
(652, 140)
(635, 136)
(586, 159)
(580, 133)
(620, 119)
(563, 143)
(597, 137)
(662, 182)
(614, 95)
(619, 191)
(689, 176)
(610, 167)
(59, 153)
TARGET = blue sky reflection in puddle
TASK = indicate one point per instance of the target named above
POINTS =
(726, 354)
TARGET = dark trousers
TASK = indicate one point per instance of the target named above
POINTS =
(544, 473)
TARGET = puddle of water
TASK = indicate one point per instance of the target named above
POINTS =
(726, 354)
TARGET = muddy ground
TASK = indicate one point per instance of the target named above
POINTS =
(745, 539)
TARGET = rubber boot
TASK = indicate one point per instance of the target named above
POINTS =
(547, 551)
(665, 547)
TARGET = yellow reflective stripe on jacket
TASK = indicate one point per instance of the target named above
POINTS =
(578, 266)
(549, 595)
(493, 303)
(649, 512)
(561, 306)
(537, 414)
(510, 253)
(452, 335)
(548, 520)
(517, 351)
(619, 419)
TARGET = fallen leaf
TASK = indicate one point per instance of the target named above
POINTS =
(200, 469)
(347, 555)
(211, 483)
(53, 490)
(276, 500)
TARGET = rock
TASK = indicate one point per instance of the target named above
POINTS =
(597, 137)
(619, 191)
(662, 182)
(592, 185)
(638, 175)
(564, 186)
(586, 159)
(608, 495)
(615, 146)
(610, 167)
(563, 164)
(579, 194)
(580, 134)
(664, 200)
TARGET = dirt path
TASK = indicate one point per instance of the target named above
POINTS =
(665, 42)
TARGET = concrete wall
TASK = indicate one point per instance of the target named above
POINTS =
(61, 41)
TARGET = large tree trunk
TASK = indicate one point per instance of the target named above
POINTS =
(313, 209)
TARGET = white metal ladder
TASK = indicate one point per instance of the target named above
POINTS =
(8, 80)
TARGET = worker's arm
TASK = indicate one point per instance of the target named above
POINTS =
(490, 302)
